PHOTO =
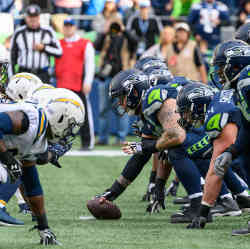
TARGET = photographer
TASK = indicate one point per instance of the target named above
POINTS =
(114, 57)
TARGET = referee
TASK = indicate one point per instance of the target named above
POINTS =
(32, 46)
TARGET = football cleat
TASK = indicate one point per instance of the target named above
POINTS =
(7, 220)
(243, 202)
(226, 207)
(24, 208)
(181, 200)
(243, 231)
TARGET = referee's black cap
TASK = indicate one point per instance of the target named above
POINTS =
(33, 10)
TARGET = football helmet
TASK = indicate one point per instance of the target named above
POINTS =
(150, 61)
(192, 102)
(126, 91)
(219, 60)
(243, 33)
(65, 112)
(22, 85)
(158, 75)
(237, 59)
(243, 92)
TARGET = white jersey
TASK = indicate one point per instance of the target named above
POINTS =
(27, 145)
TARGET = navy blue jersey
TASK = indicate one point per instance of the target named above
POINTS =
(151, 104)
(221, 111)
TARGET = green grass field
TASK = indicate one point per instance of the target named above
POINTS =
(68, 189)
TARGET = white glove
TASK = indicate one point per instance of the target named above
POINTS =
(48, 237)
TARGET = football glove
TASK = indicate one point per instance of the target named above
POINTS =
(107, 195)
(47, 237)
(158, 199)
(198, 222)
(163, 155)
(222, 163)
(149, 193)
(146, 145)
(57, 151)
(12, 165)
(172, 189)
(137, 128)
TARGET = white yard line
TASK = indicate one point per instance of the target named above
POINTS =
(107, 153)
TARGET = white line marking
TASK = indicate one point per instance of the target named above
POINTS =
(87, 218)
(107, 153)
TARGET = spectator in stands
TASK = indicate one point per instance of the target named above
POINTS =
(206, 19)
(182, 7)
(162, 7)
(159, 50)
(145, 26)
(75, 71)
(92, 8)
(132, 10)
(184, 57)
(33, 45)
(68, 7)
(244, 13)
(114, 57)
(102, 21)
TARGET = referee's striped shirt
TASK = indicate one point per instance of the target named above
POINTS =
(22, 53)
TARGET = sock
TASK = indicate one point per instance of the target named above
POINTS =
(19, 197)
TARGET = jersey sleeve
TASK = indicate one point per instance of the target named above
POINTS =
(216, 122)
(153, 100)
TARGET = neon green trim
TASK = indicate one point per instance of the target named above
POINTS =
(198, 146)
(154, 95)
(214, 123)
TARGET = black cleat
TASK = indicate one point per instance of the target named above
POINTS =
(243, 202)
(226, 207)
(243, 231)
(181, 200)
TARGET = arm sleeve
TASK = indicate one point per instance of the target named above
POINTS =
(89, 66)
(54, 48)
(198, 60)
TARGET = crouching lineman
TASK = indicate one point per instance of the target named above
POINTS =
(25, 130)
(223, 120)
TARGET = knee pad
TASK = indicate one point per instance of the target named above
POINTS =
(31, 181)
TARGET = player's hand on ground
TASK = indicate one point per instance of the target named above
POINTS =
(172, 189)
(47, 237)
(157, 203)
(198, 222)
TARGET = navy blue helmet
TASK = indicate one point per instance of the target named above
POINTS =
(126, 91)
(192, 102)
(243, 92)
(147, 62)
(219, 60)
(237, 59)
(158, 75)
(243, 33)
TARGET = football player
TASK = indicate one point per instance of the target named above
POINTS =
(25, 130)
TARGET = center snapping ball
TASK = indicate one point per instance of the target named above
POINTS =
(103, 211)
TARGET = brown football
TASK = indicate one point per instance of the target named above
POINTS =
(104, 211)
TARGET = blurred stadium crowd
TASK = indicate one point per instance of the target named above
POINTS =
(181, 32)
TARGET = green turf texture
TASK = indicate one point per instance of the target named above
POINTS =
(68, 189)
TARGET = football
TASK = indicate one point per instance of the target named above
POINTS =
(103, 211)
